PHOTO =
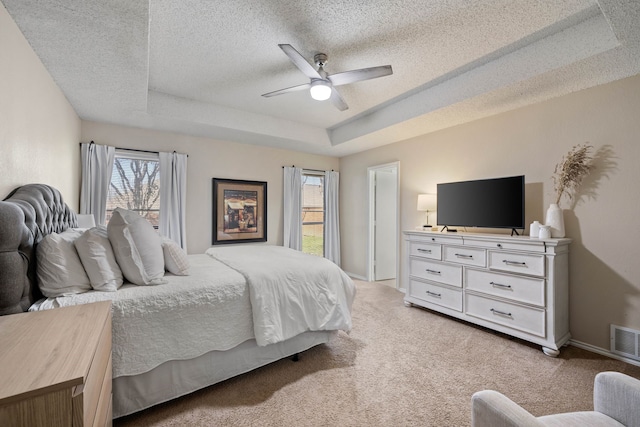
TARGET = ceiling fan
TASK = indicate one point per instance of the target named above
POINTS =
(322, 84)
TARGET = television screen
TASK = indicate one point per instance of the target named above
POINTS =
(492, 203)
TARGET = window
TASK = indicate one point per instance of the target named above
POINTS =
(135, 185)
(313, 213)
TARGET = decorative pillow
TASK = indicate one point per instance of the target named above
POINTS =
(175, 258)
(137, 247)
(98, 259)
(59, 269)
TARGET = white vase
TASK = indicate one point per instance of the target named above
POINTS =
(555, 220)
(534, 229)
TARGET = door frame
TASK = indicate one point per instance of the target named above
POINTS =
(371, 174)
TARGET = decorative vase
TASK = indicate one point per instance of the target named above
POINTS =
(555, 220)
(534, 229)
(544, 232)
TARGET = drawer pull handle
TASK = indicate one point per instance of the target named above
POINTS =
(500, 313)
(500, 285)
(428, 251)
(433, 294)
(499, 245)
(508, 262)
(433, 271)
(433, 239)
(464, 256)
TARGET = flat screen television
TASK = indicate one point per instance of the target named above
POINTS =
(490, 203)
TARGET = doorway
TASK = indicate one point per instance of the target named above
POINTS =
(383, 223)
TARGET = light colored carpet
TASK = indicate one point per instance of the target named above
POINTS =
(399, 366)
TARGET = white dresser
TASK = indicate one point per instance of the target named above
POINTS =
(515, 285)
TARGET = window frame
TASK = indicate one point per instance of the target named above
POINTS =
(130, 154)
(321, 175)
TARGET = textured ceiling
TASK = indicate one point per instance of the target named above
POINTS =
(199, 66)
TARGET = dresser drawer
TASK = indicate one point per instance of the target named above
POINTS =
(87, 399)
(104, 413)
(436, 271)
(526, 319)
(445, 297)
(527, 245)
(467, 256)
(530, 264)
(425, 250)
(519, 288)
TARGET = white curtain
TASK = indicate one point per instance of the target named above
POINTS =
(293, 208)
(331, 215)
(173, 197)
(97, 165)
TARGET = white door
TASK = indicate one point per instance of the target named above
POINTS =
(386, 224)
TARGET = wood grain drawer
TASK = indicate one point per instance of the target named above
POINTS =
(426, 250)
(436, 271)
(103, 413)
(526, 319)
(468, 256)
(530, 264)
(435, 294)
(87, 397)
(519, 288)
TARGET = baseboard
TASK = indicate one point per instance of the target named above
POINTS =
(356, 276)
(604, 352)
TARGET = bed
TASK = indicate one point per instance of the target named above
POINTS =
(240, 307)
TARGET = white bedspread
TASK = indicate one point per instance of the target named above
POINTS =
(185, 318)
(291, 292)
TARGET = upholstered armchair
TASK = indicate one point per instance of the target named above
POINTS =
(616, 401)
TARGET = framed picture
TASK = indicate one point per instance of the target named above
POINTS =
(239, 211)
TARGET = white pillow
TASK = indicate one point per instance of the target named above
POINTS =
(175, 258)
(99, 260)
(59, 269)
(137, 248)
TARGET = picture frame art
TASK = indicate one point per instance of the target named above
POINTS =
(239, 211)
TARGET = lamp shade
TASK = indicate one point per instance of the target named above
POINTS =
(86, 220)
(320, 90)
(426, 202)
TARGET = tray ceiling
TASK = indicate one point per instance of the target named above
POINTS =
(199, 67)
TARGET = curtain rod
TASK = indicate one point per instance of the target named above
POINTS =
(134, 149)
(311, 170)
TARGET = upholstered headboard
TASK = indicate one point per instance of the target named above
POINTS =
(27, 215)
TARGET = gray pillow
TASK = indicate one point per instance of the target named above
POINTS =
(175, 258)
(137, 247)
(98, 259)
(60, 271)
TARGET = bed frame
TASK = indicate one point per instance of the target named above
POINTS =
(31, 212)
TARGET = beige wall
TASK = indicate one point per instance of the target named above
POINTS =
(39, 130)
(39, 135)
(209, 158)
(605, 267)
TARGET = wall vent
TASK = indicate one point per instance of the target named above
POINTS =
(625, 342)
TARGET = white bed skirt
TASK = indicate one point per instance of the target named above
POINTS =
(179, 377)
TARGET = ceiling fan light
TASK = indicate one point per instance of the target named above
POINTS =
(320, 90)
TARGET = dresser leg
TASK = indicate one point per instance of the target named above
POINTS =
(550, 352)
(407, 304)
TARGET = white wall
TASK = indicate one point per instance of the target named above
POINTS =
(39, 130)
(604, 270)
(209, 158)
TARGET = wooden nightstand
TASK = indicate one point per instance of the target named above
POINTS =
(55, 367)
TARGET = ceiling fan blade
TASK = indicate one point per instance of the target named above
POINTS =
(299, 61)
(287, 90)
(359, 75)
(337, 100)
